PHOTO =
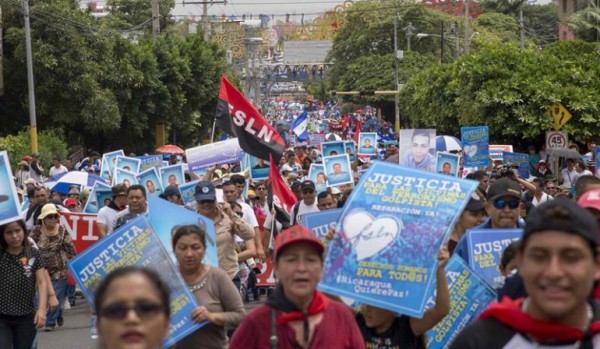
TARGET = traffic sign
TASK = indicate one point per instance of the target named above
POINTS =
(556, 139)
(559, 114)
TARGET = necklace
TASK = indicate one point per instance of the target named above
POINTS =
(200, 284)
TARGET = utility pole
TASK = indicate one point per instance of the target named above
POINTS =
(396, 97)
(159, 128)
(1, 58)
(408, 31)
(521, 28)
(30, 86)
(457, 41)
(155, 19)
(205, 20)
(467, 38)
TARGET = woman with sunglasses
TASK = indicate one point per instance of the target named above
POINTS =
(22, 273)
(220, 301)
(56, 248)
(140, 290)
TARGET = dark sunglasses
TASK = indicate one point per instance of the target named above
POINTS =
(308, 191)
(144, 310)
(53, 216)
(551, 188)
(261, 188)
(501, 204)
(206, 202)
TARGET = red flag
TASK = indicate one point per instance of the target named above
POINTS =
(282, 195)
(238, 117)
(357, 132)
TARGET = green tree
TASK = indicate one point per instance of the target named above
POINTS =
(137, 14)
(586, 22)
(51, 143)
(509, 90)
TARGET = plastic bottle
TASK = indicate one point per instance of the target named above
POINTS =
(93, 330)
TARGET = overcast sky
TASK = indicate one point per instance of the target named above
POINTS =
(310, 8)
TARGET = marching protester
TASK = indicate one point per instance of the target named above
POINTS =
(23, 278)
(227, 226)
(35, 169)
(308, 203)
(133, 309)
(107, 214)
(56, 249)
(559, 264)
(473, 215)
(22, 174)
(220, 301)
(136, 205)
(297, 314)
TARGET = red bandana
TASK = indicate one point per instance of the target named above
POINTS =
(509, 313)
(319, 303)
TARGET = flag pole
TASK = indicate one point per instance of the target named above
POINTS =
(212, 135)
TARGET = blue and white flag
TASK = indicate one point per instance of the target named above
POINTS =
(300, 125)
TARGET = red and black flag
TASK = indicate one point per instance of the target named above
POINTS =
(280, 197)
(239, 118)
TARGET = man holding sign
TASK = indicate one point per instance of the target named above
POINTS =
(559, 263)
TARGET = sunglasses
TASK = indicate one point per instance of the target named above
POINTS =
(261, 188)
(144, 310)
(206, 202)
(53, 216)
(308, 191)
(551, 188)
(501, 204)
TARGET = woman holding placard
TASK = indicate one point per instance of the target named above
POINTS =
(220, 301)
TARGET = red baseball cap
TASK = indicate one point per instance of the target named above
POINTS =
(27, 158)
(590, 199)
(71, 202)
(295, 234)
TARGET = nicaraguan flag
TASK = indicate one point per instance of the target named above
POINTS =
(299, 126)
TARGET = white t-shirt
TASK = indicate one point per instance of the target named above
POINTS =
(302, 210)
(56, 171)
(545, 197)
(106, 216)
(568, 177)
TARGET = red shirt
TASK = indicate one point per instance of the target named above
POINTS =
(337, 330)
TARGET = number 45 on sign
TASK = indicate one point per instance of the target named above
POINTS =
(559, 114)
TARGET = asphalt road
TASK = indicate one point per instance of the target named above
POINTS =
(75, 333)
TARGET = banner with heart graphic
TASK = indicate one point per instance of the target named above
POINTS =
(475, 143)
(469, 296)
(388, 236)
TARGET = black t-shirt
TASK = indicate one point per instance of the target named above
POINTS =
(398, 336)
(18, 284)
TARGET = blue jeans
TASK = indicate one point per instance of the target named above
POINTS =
(17, 332)
(60, 288)
(71, 293)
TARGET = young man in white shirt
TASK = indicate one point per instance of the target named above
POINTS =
(308, 203)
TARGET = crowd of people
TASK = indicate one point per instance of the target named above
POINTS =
(549, 291)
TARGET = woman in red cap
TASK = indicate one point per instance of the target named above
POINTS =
(297, 315)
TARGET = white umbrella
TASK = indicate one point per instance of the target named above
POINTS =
(447, 143)
(332, 137)
(62, 182)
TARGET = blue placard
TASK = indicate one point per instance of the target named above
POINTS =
(129, 164)
(177, 216)
(597, 159)
(149, 161)
(172, 175)
(485, 247)
(136, 243)
(126, 177)
(100, 190)
(475, 145)
(518, 159)
(259, 168)
(205, 156)
(109, 162)
(469, 296)
(320, 222)
(367, 143)
(316, 173)
(333, 148)
(10, 209)
(150, 180)
(391, 229)
(350, 147)
(338, 170)
(188, 191)
(447, 164)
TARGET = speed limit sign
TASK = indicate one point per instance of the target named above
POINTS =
(556, 139)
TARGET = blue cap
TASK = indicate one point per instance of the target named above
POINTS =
(205, 190)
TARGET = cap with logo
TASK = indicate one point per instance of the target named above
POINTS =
(171, 190)
(308, 184)
(205, 190)
(504, 187)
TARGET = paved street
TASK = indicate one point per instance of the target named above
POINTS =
(75, 334)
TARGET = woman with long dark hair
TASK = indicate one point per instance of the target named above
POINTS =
(22, 273)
